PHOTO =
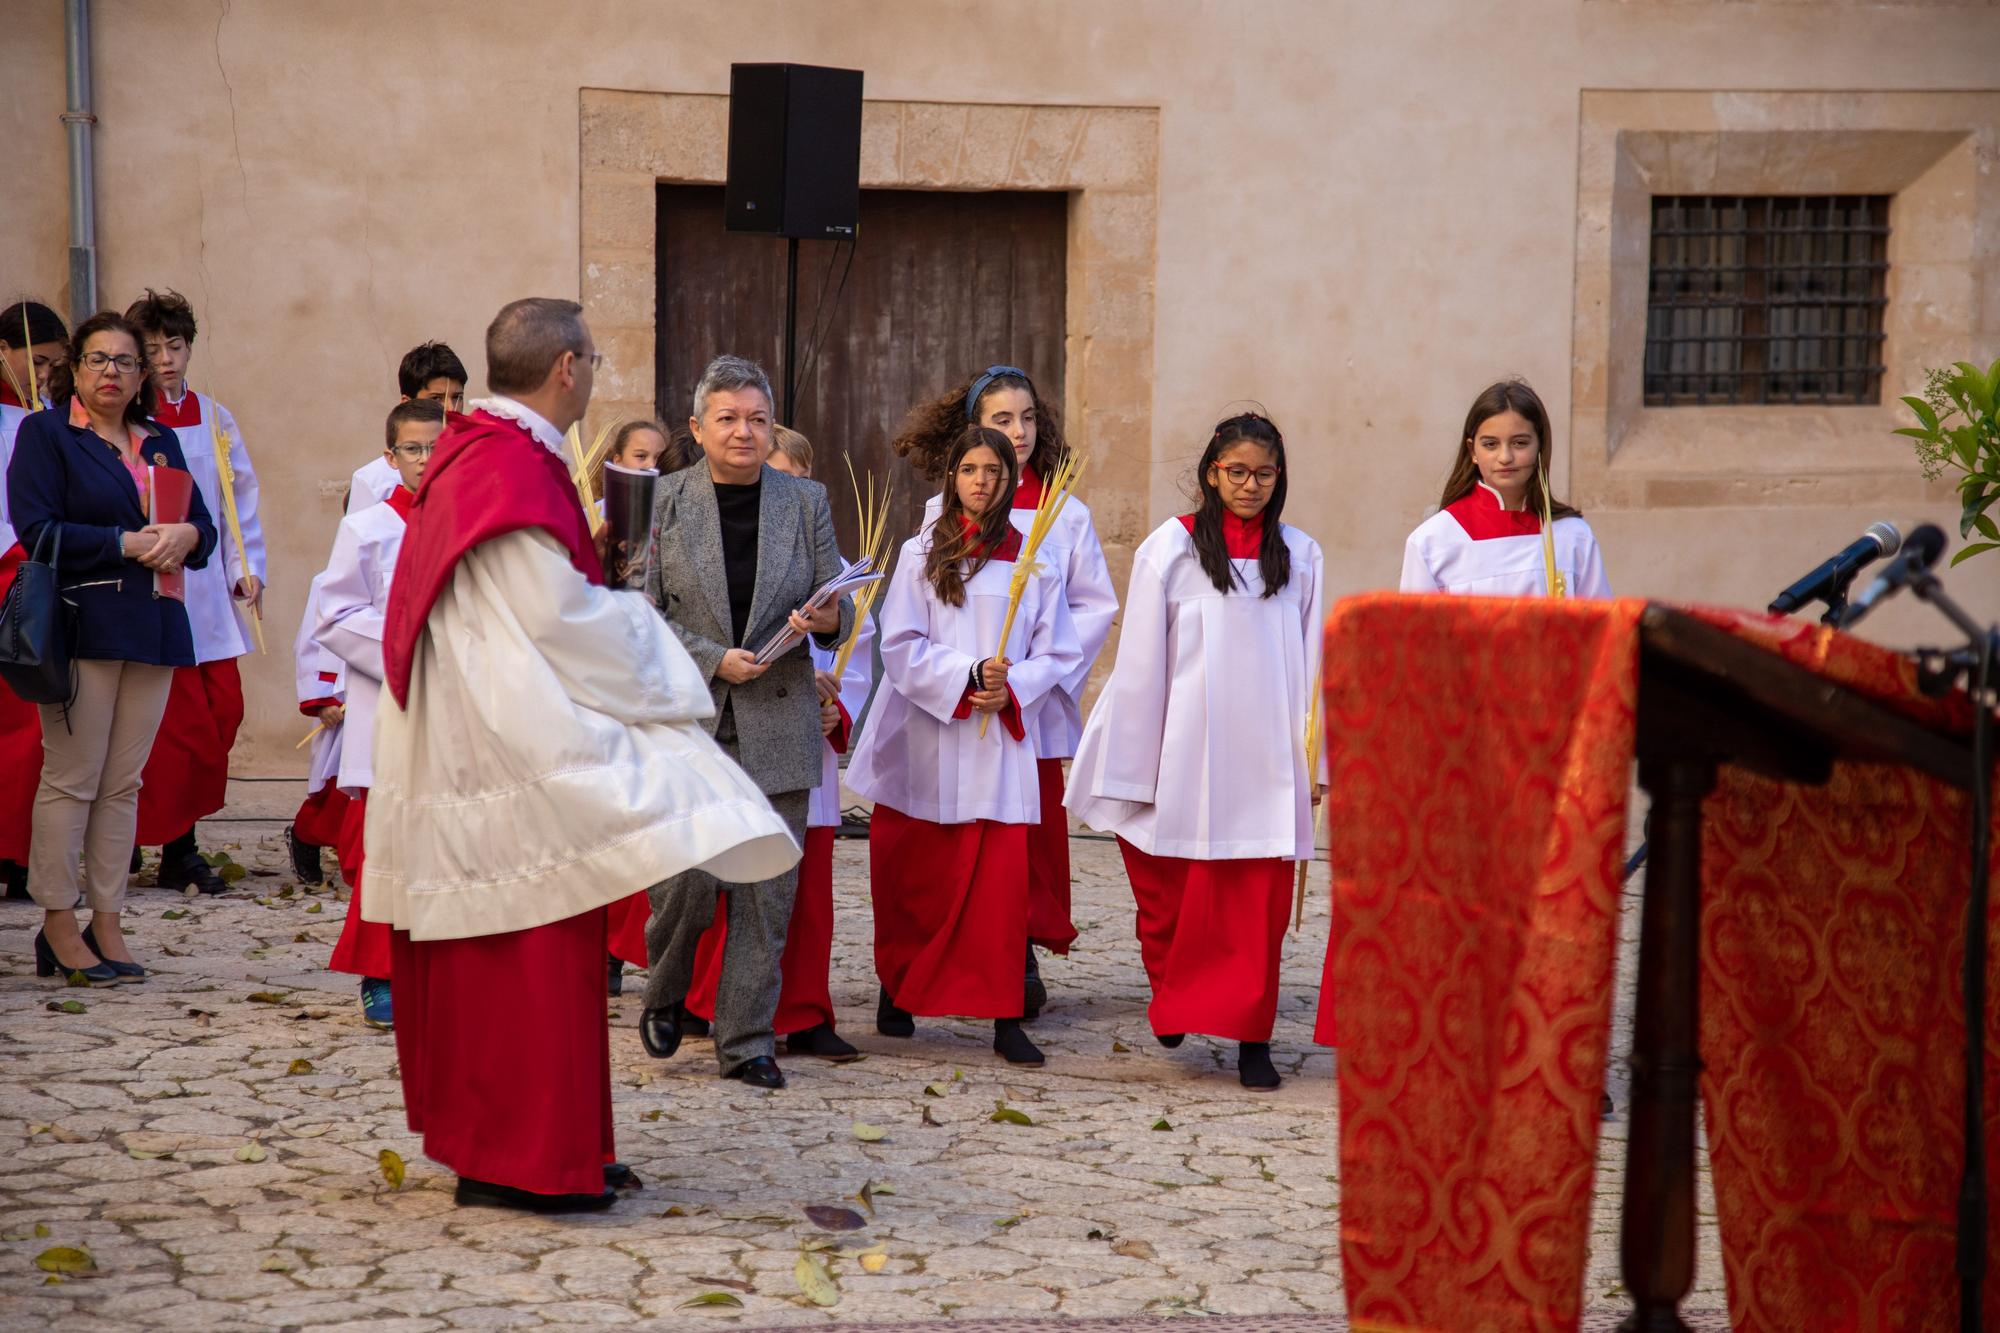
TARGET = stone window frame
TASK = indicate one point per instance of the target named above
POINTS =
(1104, 158)
(1923, 149)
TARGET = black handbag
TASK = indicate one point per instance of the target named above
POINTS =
(38, 630)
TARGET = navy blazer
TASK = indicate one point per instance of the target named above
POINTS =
(67, 478)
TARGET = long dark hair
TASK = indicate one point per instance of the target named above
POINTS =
(62, 376)
(951, 545)
(935, 426)
(1274, 558)
(1494, 399)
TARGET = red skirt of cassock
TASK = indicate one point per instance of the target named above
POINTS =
(363, 949)
(951, 913)
(1048, 865)
(187, 775)
(805, 1000)
(1324, 1032)
(625, 927)
(318, 821)
(20, 750)
(1210, 935)
(505, 1055)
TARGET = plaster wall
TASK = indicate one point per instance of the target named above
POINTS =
(1366, 211)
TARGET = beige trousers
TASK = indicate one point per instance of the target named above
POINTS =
(88, 803)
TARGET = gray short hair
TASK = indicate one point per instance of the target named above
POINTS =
(730, 372)
(526, 337)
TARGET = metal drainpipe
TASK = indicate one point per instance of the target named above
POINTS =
(82, 165)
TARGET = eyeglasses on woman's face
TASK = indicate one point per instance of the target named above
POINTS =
(103, 363)
(1242, 476)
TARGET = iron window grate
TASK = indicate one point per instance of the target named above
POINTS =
(1766, 299)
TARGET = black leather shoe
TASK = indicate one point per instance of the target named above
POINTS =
(760, 1072)
(125, 971)
(48, 965)
(891, 1021)
(1254, 1069)
(660, 1030)
(619, 1176)
(693, 1025)
(15, 876)
(305, 858)
(191, 871)
(1170, 1039)
(821, 1040)
(1033, 993)
(614, 974)
(485, 1194)
(1012, 1045)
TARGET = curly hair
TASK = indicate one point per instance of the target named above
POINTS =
(952, 546)
(933, 427)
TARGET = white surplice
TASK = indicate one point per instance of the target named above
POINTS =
(1196, 746)
(218, 621)
(914, 755)
(1476, 545)
(823, 811)
(1072, 552)
(319, 675)
(372, 483)
(353, 607)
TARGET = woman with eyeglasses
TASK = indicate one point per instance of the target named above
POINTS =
(1194, 755)
(81, 476)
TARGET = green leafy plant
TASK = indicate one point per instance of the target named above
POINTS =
(1960, 428)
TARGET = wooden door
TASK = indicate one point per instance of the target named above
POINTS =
(942, 285)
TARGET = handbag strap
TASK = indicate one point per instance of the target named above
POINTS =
(50, 531)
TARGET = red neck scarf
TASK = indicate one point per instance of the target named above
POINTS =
(488, 478)
(1028, 495)
(1482, 517)
(1242, 540)
(1008, 549)
(187, 412)
(8, 398)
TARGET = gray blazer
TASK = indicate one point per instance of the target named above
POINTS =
(777, 715)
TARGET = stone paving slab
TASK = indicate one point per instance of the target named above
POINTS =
(212, 1138)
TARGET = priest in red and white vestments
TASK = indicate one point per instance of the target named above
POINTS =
(538, 756)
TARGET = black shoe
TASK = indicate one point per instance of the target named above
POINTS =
(138, 860)
(15, 876)
(660, 1030)
(619, 1176)
(1012, 1045)
(305, 858)
(482, 1193)
(1253, 1066)
(821, 1040)
(693, 1025)
(1170, 1039)
(760, 1072)
(48, 965)
(891, 1021)
(1033, 993)
(191, 871)
(124, 970)
(614, 974)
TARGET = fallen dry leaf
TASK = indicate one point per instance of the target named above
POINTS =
(391, 1166)
(713, 1298)
(264, 997)
(930, 1119)
(936, 1090)
(65, 1259)
(828, 1218)
(1004, 1114)
(299, 1067)
(1161, 1124)
(1133, 1249)
(865, 1196)
(873, 1263)
(814, 1281)
(1120, 1048)
(868, 1133)
(251, 1152)
(734, 1284)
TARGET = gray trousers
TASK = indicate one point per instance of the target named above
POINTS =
(746, 994)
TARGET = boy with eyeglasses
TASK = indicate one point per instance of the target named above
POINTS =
(353, 602)
(430, 372)
(187, 776)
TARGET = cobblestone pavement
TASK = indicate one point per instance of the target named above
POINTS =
(212, 1139)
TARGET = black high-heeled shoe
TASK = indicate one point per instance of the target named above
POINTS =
(48, 965)
(131, 971)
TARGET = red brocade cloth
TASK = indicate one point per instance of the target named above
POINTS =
(20, 749)
(187, 775)
(1476, 854)
(805, 999)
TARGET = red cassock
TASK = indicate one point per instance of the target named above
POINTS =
(363, 948)
(1049, 922)
(187, 776)
(20, 750)
(625, 926)
(319, 819)
(943, 893)
(805, 999)
(1210, 935)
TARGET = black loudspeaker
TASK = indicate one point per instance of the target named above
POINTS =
(794, 151)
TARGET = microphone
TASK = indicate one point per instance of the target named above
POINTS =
(1920, 552)
(1829, 581)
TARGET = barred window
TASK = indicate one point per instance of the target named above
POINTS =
(1766, 299)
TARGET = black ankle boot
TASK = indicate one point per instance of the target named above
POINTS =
(891, 1021)
(1033, 993)
(15, 876)
(1170, 1039)
(1253, 1066)
(1011, 1044)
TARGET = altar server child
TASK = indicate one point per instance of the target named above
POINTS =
(354, 601)
(948, 842)
(187, 776)
(1194, 755)
(429, 372)
(33, 342)
(805, 1002)
(1005, 399)
(322, 690)
(1486, 537)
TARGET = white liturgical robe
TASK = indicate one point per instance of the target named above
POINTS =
(1476, 545)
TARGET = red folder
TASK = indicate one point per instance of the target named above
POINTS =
(171, 491)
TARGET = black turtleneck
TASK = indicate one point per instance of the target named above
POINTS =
(738, 506)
